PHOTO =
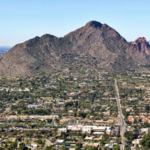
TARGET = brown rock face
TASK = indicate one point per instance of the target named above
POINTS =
(141, 44)
(94, 24)
(105, 27)
(94, 40)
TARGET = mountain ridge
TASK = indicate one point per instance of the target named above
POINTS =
(94, 40)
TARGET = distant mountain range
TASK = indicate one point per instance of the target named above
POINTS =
(4, 49)
(95, 44)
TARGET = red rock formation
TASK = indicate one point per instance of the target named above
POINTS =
(141, 44)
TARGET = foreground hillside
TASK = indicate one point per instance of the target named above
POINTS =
(95, 44)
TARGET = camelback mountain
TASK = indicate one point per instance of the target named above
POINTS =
(94, 41)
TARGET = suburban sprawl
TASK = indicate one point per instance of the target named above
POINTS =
(72, 110)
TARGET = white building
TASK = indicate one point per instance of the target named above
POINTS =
(62, 130)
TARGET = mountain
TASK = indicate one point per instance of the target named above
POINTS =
(4, 49)
(141, 45)
(94, 44)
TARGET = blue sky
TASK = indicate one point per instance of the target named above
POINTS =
(21, 20)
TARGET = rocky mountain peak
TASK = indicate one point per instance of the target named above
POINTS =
(140, 40)
(141, 44)
(94, 24)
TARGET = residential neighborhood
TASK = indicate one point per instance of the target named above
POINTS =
(68, 110)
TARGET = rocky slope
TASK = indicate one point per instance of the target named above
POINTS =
(94, 40)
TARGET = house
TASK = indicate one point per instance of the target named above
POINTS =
(108, 130)
(59, 142)
(99, 138)
(72, 94)
(90, 144)
(136, 141)
(86, 130)
(109, 145)
(76, 129)
(99, 121)
(143, 114)
(98, 129)
(89, 138)
(110, 120)
(129, 109)
(75, 79)
(33, 105)
(62, 130)
(70, 111)
(107, 113)
(60, 103)
(131, 119)
(98, 132)
(82, 84)
(64, 120)
(129, 128)
(143, 118)
(144, 130)
(34, 145)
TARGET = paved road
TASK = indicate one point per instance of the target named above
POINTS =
(121, 119)
(47, 143)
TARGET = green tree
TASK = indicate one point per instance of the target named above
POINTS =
(78, 148)
(62, 147)
(117, 147)
(22, 146)
(83, 136)
(79, 145)
(63, 135)
(39, 141)
(147, 144)
(48, 148)
(13, 145)
(76, 103)
(147, 108)
(82, 114)
(92, 148)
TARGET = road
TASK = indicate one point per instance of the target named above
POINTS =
(121, 118)
(47, 143)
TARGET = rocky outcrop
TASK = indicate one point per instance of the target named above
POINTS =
(141, 44)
